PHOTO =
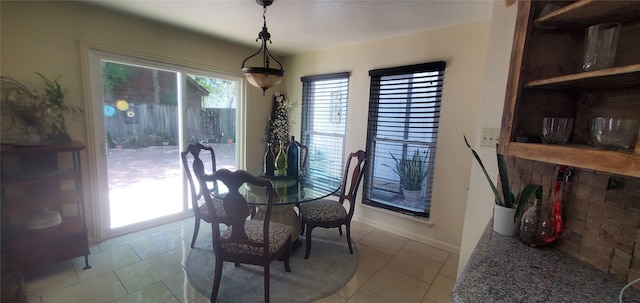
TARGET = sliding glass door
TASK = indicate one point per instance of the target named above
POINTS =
(145, 114)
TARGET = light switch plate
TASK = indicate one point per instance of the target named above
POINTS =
(490, 137)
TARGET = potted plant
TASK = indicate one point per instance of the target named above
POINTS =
(111, 140)
(133, 140)
(54, 94)
(165, 138)
(508, 207)
(412, 172)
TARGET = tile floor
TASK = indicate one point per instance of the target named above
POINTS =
(148, 266)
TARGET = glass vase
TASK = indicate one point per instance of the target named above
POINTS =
(536, 226)
(281, 161)
(269, 161)
(293, 153)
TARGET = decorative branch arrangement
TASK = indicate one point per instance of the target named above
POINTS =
(277, 129)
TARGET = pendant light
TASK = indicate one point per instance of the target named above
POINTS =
(263, 77)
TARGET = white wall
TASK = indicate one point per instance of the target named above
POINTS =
(45, 37)
(463, 47)
(479, 208)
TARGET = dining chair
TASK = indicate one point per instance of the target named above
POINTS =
(329, 213)
(199, 207)
(256, 242)
(304, 153)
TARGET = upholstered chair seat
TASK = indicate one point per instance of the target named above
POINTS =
(278, 235)
(323, 210)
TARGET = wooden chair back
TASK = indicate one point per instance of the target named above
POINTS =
(353, 172)
(235, 204)
(196, 168)
(304, 153)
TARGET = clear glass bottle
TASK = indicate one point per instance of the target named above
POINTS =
(281, 160)
(536, 226)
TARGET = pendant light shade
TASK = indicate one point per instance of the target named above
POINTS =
(263, 77)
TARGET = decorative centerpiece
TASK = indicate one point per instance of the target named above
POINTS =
(277, 131)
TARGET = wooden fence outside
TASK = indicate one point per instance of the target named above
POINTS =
(150, 124)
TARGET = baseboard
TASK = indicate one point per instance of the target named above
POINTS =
(404, 233)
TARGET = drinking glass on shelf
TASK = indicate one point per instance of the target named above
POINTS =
(614, 133)
(556, 130)
(601, 41)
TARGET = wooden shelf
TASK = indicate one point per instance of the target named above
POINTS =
(34, 201)
(20, 236)
(623, 163)
(545, 79)
(73, 146)
(28, 249)
(611, 78)
(35, 178)
(585, 13)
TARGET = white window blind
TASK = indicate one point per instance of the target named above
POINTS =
(324, 113)
(404, 114)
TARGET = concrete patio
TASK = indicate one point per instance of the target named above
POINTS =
(145, 183)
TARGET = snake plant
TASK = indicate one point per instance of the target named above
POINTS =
(510, 199)
(411, 171)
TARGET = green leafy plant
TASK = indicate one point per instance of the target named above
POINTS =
(165, 137)
(154, 139)
(510, 200)
(411, 171)
(114, 76)
(111, 140)
(133, 140)
(54, 92)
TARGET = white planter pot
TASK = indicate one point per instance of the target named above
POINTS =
(503, 221)
(412, 195)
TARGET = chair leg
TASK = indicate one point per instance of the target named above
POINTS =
(348, 228)
(195, 232)
(216, 279)
(266, 283)
(301, 219)
(340, 230)
(308, 241)
(287, 254)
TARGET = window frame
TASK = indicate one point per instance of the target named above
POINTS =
(308, 118)
(371, 182)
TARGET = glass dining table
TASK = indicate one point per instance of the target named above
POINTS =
(289, 192)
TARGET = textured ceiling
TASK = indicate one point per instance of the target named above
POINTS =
(298, 26)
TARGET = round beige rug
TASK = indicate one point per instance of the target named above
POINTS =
(329, 267)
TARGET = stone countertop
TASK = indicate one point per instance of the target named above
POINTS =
(503, 269)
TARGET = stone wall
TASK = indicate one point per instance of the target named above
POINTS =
(601, 214)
